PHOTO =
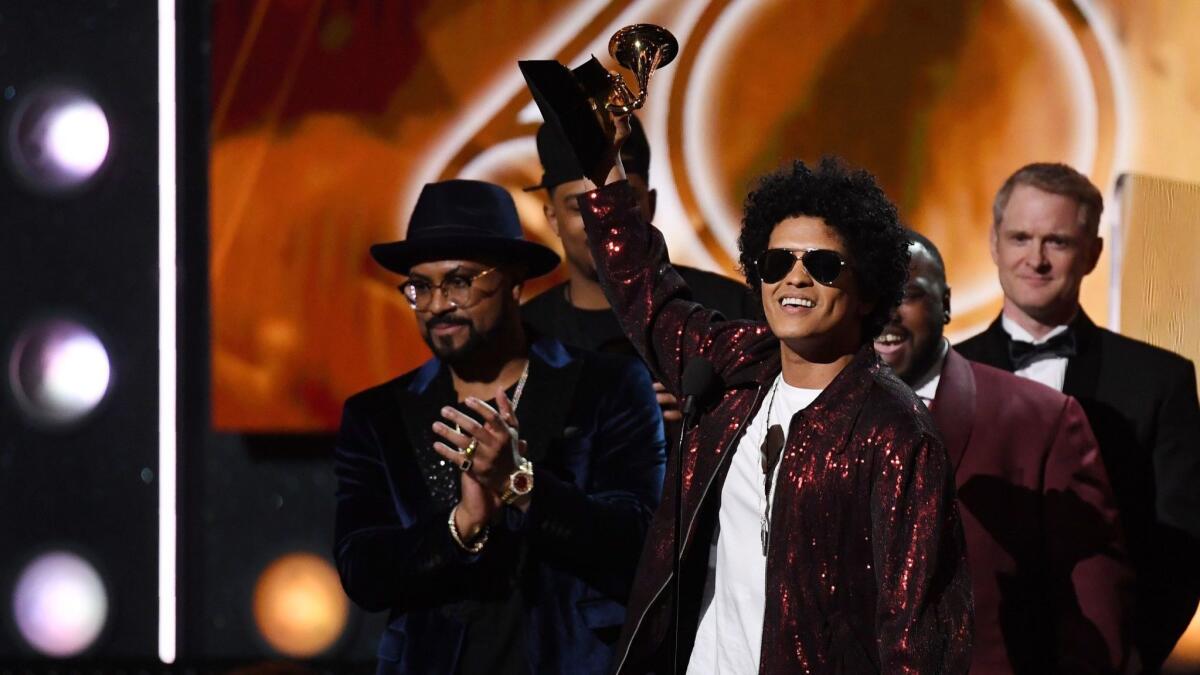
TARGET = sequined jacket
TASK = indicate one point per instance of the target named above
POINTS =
(594, 433)
(866, 567)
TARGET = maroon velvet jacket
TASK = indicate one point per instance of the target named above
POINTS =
(1052, 582)
(866, 569)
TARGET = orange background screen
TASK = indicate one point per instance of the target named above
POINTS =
(328, 116)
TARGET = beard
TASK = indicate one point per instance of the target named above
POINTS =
(444, 347)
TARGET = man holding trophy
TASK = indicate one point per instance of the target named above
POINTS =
(808, 522)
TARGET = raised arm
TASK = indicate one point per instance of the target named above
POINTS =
(925, 611)
(1090, 572)
(386, 559)
(651, 300)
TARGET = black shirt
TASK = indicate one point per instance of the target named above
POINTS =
(490, 601)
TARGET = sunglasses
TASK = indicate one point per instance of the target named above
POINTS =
(823, 265)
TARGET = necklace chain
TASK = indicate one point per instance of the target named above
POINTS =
(520, 386)
(516, 401)
(765, 521)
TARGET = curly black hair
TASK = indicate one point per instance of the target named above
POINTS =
(852, 203)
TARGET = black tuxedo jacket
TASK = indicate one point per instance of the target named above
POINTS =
(1141, 403)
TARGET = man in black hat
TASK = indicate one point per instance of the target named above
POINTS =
(576, 310)
(493, 500)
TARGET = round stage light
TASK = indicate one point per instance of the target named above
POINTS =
(60, 604)
(59, 371)
(58, 138)
(299, 606)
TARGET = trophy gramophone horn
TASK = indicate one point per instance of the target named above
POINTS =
(641, 48)
(579, 105)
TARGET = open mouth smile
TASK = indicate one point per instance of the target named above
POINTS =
(796, 304)
(891, 340)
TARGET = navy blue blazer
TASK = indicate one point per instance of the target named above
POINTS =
(595, 437)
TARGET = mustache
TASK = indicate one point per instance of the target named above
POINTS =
(446, 321)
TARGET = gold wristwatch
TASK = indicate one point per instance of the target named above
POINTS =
(520, 482)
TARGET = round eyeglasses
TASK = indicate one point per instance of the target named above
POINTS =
(456, 288)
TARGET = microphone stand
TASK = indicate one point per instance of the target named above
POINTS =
(689, 412)
(697, 379)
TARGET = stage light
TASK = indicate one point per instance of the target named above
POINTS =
(1186, 655)
(60, 604)
(58, 139)
(299, 605)
(58, 371)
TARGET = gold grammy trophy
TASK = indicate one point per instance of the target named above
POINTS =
(580, 103)
(642, 49)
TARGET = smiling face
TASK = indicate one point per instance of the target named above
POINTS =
(910, 343)
(1042, 252)
(816, 321)
(454, 332)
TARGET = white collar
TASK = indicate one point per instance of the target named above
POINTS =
(926, 386)
(1016, 332)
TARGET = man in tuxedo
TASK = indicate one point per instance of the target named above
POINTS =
(1141, 400)
(1051, 580)
(494, 500)
(576, 311)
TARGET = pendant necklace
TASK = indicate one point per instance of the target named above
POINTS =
(770, 452)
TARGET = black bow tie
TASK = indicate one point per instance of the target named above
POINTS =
(1025, 354)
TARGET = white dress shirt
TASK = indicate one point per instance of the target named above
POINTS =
(926, 387)
(1051, 372)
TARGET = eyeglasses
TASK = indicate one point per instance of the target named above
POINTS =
(456, 288)
(823, 265)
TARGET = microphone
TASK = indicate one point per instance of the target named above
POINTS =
(698, 377)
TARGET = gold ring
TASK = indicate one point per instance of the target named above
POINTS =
(466, 465)
(470, 449)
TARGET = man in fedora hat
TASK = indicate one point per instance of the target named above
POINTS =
(493, 500)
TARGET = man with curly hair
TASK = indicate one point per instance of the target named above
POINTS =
(819, 527)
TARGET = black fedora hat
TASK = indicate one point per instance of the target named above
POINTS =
(457, 219)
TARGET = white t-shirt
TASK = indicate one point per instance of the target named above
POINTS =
(729, 638)
(1050, 372)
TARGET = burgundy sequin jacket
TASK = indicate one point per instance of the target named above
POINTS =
(866, 569)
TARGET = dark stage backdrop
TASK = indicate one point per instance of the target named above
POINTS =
(78, 280)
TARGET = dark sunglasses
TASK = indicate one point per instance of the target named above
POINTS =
(823, 265)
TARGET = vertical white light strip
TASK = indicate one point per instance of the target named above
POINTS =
(166, 331)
